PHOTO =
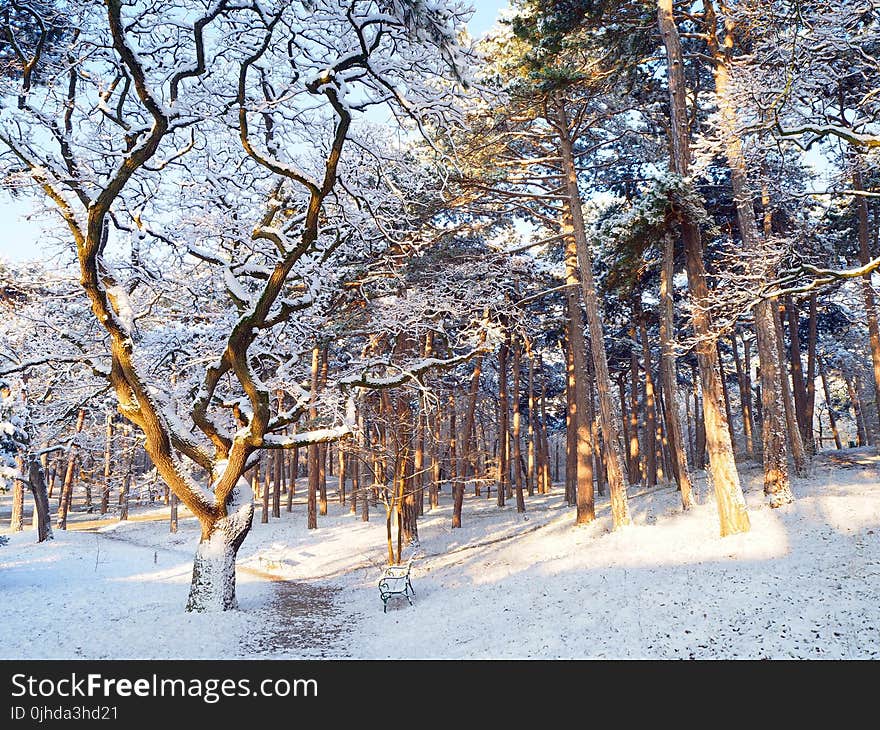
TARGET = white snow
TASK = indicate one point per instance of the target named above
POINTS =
(803, 583)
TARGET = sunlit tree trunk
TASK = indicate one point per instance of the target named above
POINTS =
(861, 204)
(635, 454)
(732, 512)
(291, 482)
(313, 453)
(503, 465)
(650, 409)
(544, 478)
(775, 453)
(16, 522)
(531, 465)
(108, 461)
(323, 448)
(457, 485)
(572, 205)
(579, 484)
(517, 428)
(570, 420)
(341, 472)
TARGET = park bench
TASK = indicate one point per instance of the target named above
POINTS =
(395, 581)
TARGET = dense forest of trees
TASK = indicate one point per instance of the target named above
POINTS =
(604, 248)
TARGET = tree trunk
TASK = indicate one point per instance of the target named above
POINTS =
(503, 465)
(572, 204)
(669, 376)
(699, 423)
(16, 522)
(530, 435)
(650, 409)
(797, 374)
(726, 398)
(517, 427)
(323, 448)
(595, 436)
(692, 441)
(213, 577)
(37, 485)
(861, 204)
(365, 446)
(291, 481)
(827, 391)
(861, 426)
(313, 454)
(322, 479)
(419, 460)
(777, 485)
(276, 484)
(624, 416)
(457, 485)
(173, 521)
(776, 481)
(108, 447)
(67, 487)
(341, 475)
(465, 465)
(745, 399)
(407, 511)
(812, 337)
(635, 455)
(354, 467)
(728, 492)
(544, 478)
(570, 420)
(436, 423)
(795, 441)
(125, 494)
(267, 484)
(580, 461)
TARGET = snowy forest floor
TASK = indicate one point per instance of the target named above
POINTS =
(803, 583)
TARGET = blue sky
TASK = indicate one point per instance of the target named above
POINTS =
(19, 238)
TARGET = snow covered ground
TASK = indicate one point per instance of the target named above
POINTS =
(805, 582)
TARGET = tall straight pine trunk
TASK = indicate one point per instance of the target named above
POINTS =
(572, 205)
(867, 289)
(732, 513)
(669, 375)
(777, 485)
(795, 441)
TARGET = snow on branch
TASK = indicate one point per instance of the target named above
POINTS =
(806, 278)
(409, 373)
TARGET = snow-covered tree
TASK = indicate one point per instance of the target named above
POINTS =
(214, 174)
